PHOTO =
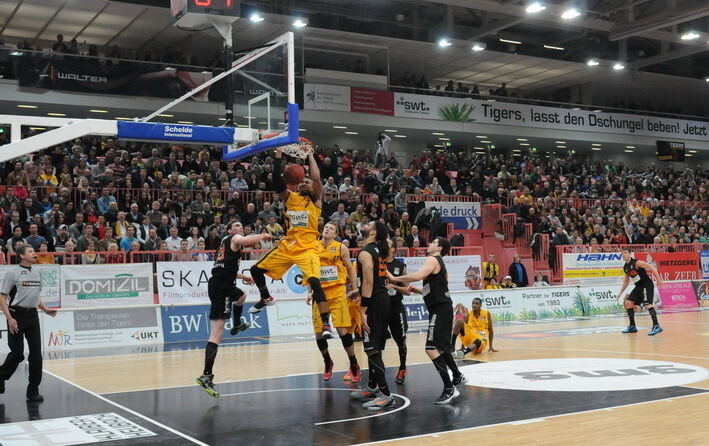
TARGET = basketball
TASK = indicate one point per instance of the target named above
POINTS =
(293, 174)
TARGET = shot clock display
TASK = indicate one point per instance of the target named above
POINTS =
(191, 12)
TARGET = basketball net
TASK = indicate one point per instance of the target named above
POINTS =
(296, 150)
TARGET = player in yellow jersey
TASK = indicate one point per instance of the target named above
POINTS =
(301, 245)
(335, 271)
(474, 329)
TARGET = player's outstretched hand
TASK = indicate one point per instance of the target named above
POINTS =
(266, 237)
(415, 290)
(249, 281)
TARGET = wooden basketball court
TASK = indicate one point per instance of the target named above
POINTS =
(272, 391)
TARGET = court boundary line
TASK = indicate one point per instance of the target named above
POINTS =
(407, 402)
(130, 411)
(535, 419)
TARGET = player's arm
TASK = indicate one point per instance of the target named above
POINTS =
(248, 240)
(652, 269)
(11, 322)
(315, 177)
(398, 286)
(278, 184)
(490, 330)
(247, 280)
(351, 273)
(367, 266)
(428, 268)
(626, 281)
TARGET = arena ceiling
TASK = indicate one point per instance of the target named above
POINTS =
(643, 35)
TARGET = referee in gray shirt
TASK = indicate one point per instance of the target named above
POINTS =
(19, 299)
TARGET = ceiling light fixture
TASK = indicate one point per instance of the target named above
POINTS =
(38, 128)
(596, 149)
(618, 66)
(628, 151)
(302, 130)
(535, 7)
(339, 127)
(690, 35)
(444, 139)
(56, 114)
(479, 47)
(524, 144)
(478, 136)
(486, 142)
(26, 106)
(629, 147)
(185, 122)
(351, 133)
(592, 62)
(121, 118)
(560, 142)
(552, 47)
(438, 134)
(444, 43)
(521, 139)
(300, 23)
(95, 110)
(399, 136)
(560, 147)
(515, 42)
(166, 115)
(595, 144)
(570, 13)
(692, 151)
(256, 17)
(390, 130)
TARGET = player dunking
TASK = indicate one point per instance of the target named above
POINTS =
(636, 271)
(336, 270)
(223, 293)
(376, 303)
(440, 313)
(398, 326)
(301, 245)
(474, 329)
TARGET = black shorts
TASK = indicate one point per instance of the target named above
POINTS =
(440, 327)
(643, 294)
(398, 326)
(222, 292)
(378, 314)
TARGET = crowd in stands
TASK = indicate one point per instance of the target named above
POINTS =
(100, 195)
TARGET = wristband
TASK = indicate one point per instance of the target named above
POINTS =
(365, 301)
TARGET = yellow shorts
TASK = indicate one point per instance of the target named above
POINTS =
(277, 262)
(339, 311)
(471, 336)
(356, 318)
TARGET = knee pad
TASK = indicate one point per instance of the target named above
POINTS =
(347, 340)
(318, 293)
(322, 344)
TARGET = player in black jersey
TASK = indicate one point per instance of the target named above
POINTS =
(636, 271)
(440, 314)
(398, 326)
(225, 297)
(376, 303)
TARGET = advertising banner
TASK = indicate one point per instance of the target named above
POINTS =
(526, 303)
(105, 327)
(290, 317)
(463, 274)
(462, 215)
(673, 265)
(701, 291)
(106, 285)
(75, 73)
(592, 268)
(524, 115)
(326, 97)
(49, 275)
(365, 100)
(191, 323)
(186, 282)
(677, 295)
(704, 257)
(175, 132)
